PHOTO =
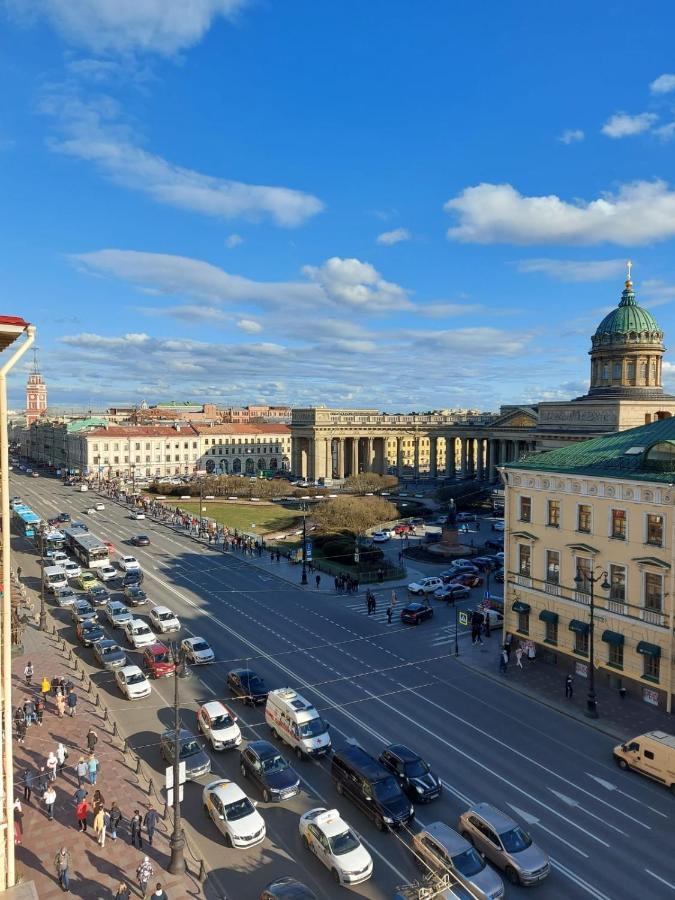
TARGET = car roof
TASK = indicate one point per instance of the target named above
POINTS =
(415, 605)
(161, 609)
(495, 817)
(336, 824)
(404, 753)
(157, 647)
(215, 708)
(135, 623)
(446, 836)
(113, 603)
(362, 761)
(131, 670)
(228, 791)
(243, 673)
(184, 734)
(263, 749)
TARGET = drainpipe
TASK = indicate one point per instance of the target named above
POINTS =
(7, 782)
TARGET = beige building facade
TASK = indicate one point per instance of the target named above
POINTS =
(244, 448)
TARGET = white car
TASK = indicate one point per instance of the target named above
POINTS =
(138, 633)
(425, 585)
(71, 569)
(219, 725)
(163, 619)
(233, 814)
(106, 573)
(132, 682)
(329, 837)
(117, 613)
(100, 507)
(379, 537)
(129, 564)
(197, 650)
(58, 558)
(137, 515)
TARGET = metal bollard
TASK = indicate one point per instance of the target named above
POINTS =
(97, 701)
(114, 731)
(125, 748)
(77, 665)
(70, 652)
(105, 713)
(165, 814)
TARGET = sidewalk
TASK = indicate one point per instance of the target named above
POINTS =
(95, 872)
(545, 682)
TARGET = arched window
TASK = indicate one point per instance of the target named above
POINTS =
(224, 465)
(210, 466)
(661, 456)
(285, 464)
(236, 465)
(643, 373)
(273, 463)
(250, 466)
(261, 464)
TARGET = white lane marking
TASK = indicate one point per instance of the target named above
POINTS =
(570, 801)
(589, 888)
(612, 787)
(662, 880)
(207, 686)
(533, 820)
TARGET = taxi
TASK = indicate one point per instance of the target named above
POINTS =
(328, 836)
(233, 814)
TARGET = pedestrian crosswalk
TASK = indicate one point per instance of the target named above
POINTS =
(439, 636)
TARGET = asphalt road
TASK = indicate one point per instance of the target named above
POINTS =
(609, 834)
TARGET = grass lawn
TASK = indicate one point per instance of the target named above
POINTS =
(265, 516)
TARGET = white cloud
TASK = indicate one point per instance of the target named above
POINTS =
(666, 132)
(637, 213)
(250, 326)
(119, 26)
(358, 285)
(571, 136)
(574, 270)
(664, 84)
(94, 134)
(394, 237)
(624, 125)
(233, 240)
(446, 310)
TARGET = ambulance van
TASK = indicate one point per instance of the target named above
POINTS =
(297, 723)
(652, 754)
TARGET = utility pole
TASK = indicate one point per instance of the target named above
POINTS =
(177, 842)
(43, 608)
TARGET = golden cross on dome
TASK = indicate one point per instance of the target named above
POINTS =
(629, 266)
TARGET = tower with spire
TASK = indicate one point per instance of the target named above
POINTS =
(36, 393)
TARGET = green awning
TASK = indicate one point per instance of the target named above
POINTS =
(521, 607)
(612, 637)
(547, 615)
(651, 561)
(579, 627)
(648, 649)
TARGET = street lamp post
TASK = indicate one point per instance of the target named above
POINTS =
(592, 579)
(43, 608)
(177, 842)
(303, 580)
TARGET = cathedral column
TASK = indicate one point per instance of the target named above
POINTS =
(463, 452)
(340, 458)
(492, 460)
(368, 461)
(399, 457)
(355, 456)
(416, 456)
(450, 455)
(433, 457)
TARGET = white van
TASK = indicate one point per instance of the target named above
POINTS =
(54, 577)
(83, 488)
(297, 723)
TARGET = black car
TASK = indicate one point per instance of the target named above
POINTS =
(262, 763)
(135, 576)
(134, 595)
(98, 595)
(412, 773)
(248, 685)
(79, 525)
(414, 613)
(364, 781)
(196, 759)
(287, 888)
(63, 517)
(89, 632)
(141, 540)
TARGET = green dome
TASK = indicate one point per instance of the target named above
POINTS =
(627, 317)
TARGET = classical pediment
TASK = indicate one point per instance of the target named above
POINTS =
(521, 417)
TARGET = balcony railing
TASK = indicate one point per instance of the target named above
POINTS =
(524, 580)
(582, 597)
(618, 607)
(553, 588)
(653, 617)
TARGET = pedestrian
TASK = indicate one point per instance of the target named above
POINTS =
(318, 582)
(150, 822)
(41, 781)
(45, 686)
(92, 768)
(81, 813)
(507, 643)
(373, 602)
(39, 709)
(28, 672)
(19, 572)
(79, 795)
(503, 661)
(60, 704)
(394, 599)
(71, 702)
(49, 798)
(123, 892)
(380, 575)
(144, 873)
(569, 687)
(20, 726)
(519, 657)
(389, 615)
(476, 627)
(486, 628)
(115, 820)
(52, 763)
(18, 822)
(159, 893)
(61, 757)
(28, 778)
(62, 865)
(81, 770)
(136, 825)
(29, 711)
(92, 739)
(100, 826)
(98, 801)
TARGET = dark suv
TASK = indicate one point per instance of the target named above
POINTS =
(371, 787)
(412, 772)
(261, 762)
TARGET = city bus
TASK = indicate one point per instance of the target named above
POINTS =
(89, 550)
(53, 541)
(25, 521)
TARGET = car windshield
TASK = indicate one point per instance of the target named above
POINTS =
(239, 809)
(142, 629)
(468, 863)
(161, 657)
(90, 629)
(255, 685)
(189, 748)
(164, 616)
(274, 764)
(416, 769)
(515, 840)
(313, 728)
(344, 843)
(107, 650)
(137, 678)
(222, 721)
(387, 789)
(199, 646)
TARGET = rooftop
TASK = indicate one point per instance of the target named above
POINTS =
(261, 428)
(646, 453)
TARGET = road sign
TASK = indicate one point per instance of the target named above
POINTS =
(169, 795)
(308, 550)
(463, 617)
(168, 775)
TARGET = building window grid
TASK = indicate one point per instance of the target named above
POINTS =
(553, 513)
(524, 623)
(618, 524)
(581, 643)
(651, 667)
(654, 530)
(615, 656)
(584, 518)
(550, 632)
(525, 509)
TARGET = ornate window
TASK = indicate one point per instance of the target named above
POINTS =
(655, 530)
(619, 524)
(584, 518)
(553, 518)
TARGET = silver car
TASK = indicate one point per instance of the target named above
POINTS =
(504, 843)
(443, 850)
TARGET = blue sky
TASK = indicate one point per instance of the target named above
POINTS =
(388, 204)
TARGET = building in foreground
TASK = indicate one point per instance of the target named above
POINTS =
(602, 510)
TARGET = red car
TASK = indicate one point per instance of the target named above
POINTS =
(404, 528)
(468, 580)
(157, 660)
(110, 546)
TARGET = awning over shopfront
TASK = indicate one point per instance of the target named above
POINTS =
(648, 649)
(612, 637)
(579, 627)
(547, 615)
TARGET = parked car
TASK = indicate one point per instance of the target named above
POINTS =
(233, 814)
(139, 633)
(337, 846)
(88, 632)
(190, 751)
(163, 620)
(106, 573)
(443, 850)
(135, 595)
(140, 540)
(462, 567)
(412, 772)
(82, 526)
(404, 528)
(380, 537)
(494, 544)
(109, 654)
(466, 517)
(117, 613)
(219, 725)
(498, 525)
(63, 517)
(247, 685)
(198, 651)
(451, 592)
(158, 661)
(414, 613)
(483, 562)
(262, 763)
(425, 585)
(132, 682)
(133, 576)
(504, 843)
